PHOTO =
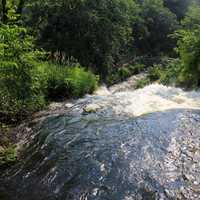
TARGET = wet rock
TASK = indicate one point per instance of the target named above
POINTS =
(91, 108)
(99, 158)
(69, 105)
(98, 149)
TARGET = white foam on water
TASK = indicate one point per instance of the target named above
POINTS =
(152, 98)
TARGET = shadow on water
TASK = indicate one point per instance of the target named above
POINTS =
(90, 157)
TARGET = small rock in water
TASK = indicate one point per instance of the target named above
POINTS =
(68, 105)
(91, 108)
(54, 106)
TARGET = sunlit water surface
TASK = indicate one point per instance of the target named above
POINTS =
(119, 144)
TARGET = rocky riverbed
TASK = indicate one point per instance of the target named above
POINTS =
(121, 144)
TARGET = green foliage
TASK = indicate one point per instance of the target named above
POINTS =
(10, 10)
(97, 33)
(151, 30)
(170, 74)
(19, 89)
(26, 83)
(154, 72)
(8, 155)
(192, 18)
(186, 70)
(56, 86)
(188, 47)
(142, 83)
(189, 50)
(62, 81)
(80, 81)
(122, 73)
(178, 7)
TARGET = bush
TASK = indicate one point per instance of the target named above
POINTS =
(80, 81)
(185, 71)
(19, 87)
(189, 50)
(137, 68)
(170, 75)
(154, 72)
(53, 77)
(124, 73)
(166, 73)
(142, 83)
(121, 74)
(64, 81)
(8, 154)
(26, 83)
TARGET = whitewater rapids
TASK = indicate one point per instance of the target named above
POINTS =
(152, 98)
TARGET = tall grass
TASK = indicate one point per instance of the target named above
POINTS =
(64, 81)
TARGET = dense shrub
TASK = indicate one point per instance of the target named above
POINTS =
(189, 50)
(142, 83)
(192, 19)
(122, 73)
(80, 81)
(64, 81)
(26, 83)
(167, 73)
(19, 87)
(170, 74)
(8, 154)
(186, 70)
(154, 72)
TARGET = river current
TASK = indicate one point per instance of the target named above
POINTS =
(118, 144)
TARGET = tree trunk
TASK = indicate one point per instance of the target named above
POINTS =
(4, 11)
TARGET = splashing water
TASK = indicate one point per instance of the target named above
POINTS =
(150, 99)
(119, 144)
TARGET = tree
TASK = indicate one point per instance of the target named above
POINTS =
(19, 89)
(11, 10)
(188, 46)
(189, 50)
(97, 33)
(4, 11)
(178, 7)
(192, 18)
(153, 27)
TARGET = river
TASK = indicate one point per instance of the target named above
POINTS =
(118, 144)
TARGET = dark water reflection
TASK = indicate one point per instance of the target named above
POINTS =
(89, 157)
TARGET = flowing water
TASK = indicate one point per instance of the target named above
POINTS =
(119, 144)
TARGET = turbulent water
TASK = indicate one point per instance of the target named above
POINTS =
(119, 144)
